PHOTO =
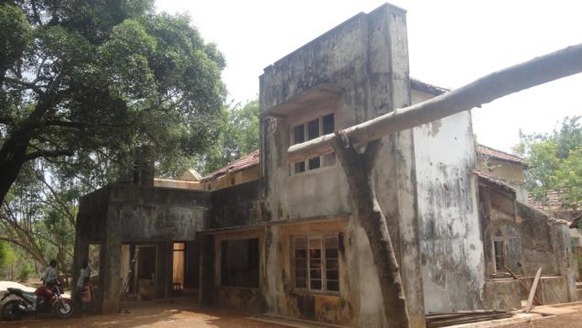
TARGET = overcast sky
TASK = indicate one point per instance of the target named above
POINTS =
(451, 43)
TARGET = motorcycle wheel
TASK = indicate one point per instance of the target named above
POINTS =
(11, 311)
(62, 309)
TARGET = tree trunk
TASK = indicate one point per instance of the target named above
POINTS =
(537, 71)
(12, 157)
(358, 169)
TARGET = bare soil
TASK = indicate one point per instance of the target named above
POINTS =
(570, 320)
(180, 313)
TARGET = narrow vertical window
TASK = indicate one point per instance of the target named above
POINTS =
(300, 252)
(499, 254)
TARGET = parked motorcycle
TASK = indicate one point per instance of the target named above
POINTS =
(42, 300)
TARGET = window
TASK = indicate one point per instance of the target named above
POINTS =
(499, 254)
(239, 259)
(311, 130)
(316, 262)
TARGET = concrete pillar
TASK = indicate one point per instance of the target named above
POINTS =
(396, 188)
(206, 294)
(81, 254)
(164, 270)
(110, 259)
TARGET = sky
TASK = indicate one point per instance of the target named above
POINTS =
(451, 43)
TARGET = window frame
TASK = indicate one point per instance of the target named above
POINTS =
(321, 263)
(502, 256)
(317, 162)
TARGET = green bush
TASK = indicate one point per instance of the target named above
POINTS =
(24, 273)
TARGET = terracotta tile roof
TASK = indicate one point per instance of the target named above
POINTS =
(426, 87)
(493, 180)
(240, 164)
(498, 154)
(552, 204)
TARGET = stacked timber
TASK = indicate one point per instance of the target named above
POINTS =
(436, 320)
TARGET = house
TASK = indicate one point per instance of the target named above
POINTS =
(282, 237)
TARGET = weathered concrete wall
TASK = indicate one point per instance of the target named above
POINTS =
(146, 213)
(247, 299)
(536, 237)
(503, 294)
(546, 244)
(356, 71)
(159, 213)
(450, 235)
(92, 215)
(236, 206)
(550, 290)
(121, 213)
(511, 173)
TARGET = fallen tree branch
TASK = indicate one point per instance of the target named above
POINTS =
(537, 71)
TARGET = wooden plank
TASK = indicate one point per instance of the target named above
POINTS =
(523, 285)
(532, 292)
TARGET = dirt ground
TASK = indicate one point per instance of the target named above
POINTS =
(183, 313)
(570, 320)
(179, 313)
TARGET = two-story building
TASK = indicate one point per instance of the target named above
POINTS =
(282, 237)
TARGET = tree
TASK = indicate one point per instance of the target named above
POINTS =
(358, 166)
(84, 83)
(239, 135)
(554, 165)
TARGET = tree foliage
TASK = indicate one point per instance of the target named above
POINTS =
(84, 84)
(239, 135)
(87, 79)
(554, 163)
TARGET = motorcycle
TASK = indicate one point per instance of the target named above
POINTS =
(42, 300)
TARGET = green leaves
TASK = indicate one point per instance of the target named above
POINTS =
(126, 58)
(15, 35)
(239, 135)
(554, 163)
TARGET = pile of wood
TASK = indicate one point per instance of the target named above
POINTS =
(435, 320)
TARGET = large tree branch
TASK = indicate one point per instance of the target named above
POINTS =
(26, 85)
(537, 71)
(48, 153)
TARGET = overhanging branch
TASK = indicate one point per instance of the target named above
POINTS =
(48, 153)
(516, 78)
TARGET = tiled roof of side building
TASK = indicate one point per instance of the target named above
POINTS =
(240, 164)
(498, 154)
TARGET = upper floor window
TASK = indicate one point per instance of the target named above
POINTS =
(310, 130)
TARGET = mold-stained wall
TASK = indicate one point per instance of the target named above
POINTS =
(450, 236)
(356, 71)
